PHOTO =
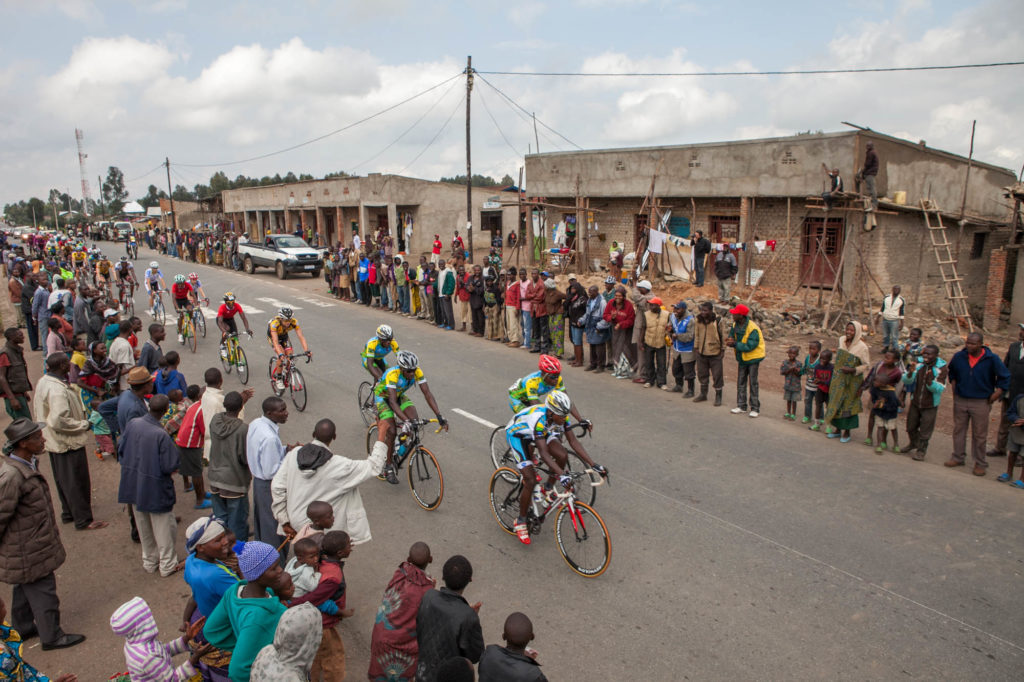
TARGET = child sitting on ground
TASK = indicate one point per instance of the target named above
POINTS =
(147, 658)
(304, 567)
(884, 407)
(330, 657)
(321, 520)
(790, 369)
(807, 370)
(822, 381)
(1015, 438)
(100, 431)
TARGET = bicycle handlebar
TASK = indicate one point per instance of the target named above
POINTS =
(291, 356)
(423, 422)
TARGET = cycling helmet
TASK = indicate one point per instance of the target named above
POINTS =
(558, 403)
(407, 360)
(384, 333)
(154, 265)
(193, 275)
(179, 279)
(124, 258)
(229, 297)
(285, 313)
(549, 364)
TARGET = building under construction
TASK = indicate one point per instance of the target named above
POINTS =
(941, 230)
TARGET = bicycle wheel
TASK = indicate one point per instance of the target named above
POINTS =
(584, 485)
(298, 390)
(242, 363)
(505, 488)
(425, 479)
(200, 322)
(190, 334)
(366, 406)
(371, 438)
(159, 314)
(583, 540)
(501, 453)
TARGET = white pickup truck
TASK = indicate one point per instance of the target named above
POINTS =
(285, 253)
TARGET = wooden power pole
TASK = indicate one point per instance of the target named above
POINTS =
(469, 165)
(170, 196)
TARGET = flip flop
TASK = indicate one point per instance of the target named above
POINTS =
(1003, 478)
(95, 525)
(845, 439)
(1018, 484)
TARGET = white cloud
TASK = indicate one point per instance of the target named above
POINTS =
(524, 14)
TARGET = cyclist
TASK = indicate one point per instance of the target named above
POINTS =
(124, 274)
(153, 279)
(183, 297)
(103, 267)
(540, 428)
(226, 320)
(391, 401)
(277, 335)
(78, 257)
(197, 287)
(531, 389)
(130, 247)
(376, 349)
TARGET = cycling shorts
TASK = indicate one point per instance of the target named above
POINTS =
(384, 410)
(515, 405)
(380, 364)
(229, 322)
(518, 446)
(182, 304)
(283, 340)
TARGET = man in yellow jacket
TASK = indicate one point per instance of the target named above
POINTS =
(746, 339)
(655, 362)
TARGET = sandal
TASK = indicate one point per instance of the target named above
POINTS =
(1003, 478)
(846, 439)
(1018, 484)
(867, 441)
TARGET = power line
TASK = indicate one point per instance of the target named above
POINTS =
(495, 88)
(795, 72)
(525, 116)
(150, 172)
(493, 120)
(434, 138)
(325, 135)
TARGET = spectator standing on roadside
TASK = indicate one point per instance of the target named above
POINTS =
(149, 356)
(656, 328)
(41, 308)
(596, 330)
(554, 301)
(682, 360)
(513, 323)
(746, 339)
(446, 625)
(893, 309)
(461, 300)
(925, 380)
(1014, 361)
(541, 331)
(213, 401)
(526, 288)
(512, 662)
(447, 286)
(264, 452)
(726, 268)
(575, 310)
(621, 316)
(435, 249)
(701, 249)
(979, 379)
(476, 287)
(15, 285)
(639, 297)
(393, 647)
(28, 291)
(228, 473)
(14, 381)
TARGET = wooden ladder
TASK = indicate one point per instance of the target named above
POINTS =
(951, 279)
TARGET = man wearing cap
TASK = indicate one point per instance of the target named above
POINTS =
(709, 334)
(640, 296)
(30, 546)
(725, 269)
(656, 322)
(66, 429)
(746, 339)
(682, 362)
(148, 461)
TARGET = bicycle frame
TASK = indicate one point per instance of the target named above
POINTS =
(568, 498)
(415, 441)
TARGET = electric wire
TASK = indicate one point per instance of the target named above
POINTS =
(528, 118)
(434, 138)
(325, 135)
(147, 173)
(794, 72)
(496, 89)
(480, 94)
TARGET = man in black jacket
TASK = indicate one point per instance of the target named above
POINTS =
(1014, 362)
(701, 249)
(514, 661)
(28, 292)
(446, 625)
(726, 268)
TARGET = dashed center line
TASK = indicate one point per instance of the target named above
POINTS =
(478, 420)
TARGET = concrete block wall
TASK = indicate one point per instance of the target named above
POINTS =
(994, 289)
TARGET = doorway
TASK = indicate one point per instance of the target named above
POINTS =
(491, 222)
(821, 246)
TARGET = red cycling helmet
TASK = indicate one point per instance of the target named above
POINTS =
(549, 364)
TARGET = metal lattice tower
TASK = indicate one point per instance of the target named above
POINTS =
(82, 156)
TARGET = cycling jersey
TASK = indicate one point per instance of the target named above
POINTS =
(395, 379)
(530, 388)
(78, 257)
(282, 327)
(181, 292)
(124, 270)
(377, 350)
(152, 278)
(228, 314)
(529, 425)
(104, 267)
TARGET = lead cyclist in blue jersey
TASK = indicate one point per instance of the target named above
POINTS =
(376, 349)
(540, 428)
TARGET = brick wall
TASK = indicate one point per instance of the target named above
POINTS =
(994, 289)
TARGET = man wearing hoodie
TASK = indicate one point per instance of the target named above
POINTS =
(979, 379)
(925, 380)
(228, 473)
(312, 472)
(213, 402)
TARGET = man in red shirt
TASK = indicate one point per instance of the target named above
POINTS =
(435, 252)
(226, 318)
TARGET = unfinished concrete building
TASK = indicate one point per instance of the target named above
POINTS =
(769, 189)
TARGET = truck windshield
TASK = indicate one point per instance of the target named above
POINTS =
(291, 243)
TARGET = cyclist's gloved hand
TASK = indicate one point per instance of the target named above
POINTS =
(601, 470)
(406, 427)
(565, 481)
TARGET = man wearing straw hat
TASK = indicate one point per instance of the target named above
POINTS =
(30, 546)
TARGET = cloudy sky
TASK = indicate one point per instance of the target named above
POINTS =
(212, 84)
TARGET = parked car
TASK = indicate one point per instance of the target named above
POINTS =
(283, 252)
(121, 230)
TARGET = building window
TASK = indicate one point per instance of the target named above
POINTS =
(978, 245)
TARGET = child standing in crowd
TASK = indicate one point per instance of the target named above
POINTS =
(790, 369)
(822, 379)
(393, 646)
(100, 431)
(169, 377)
(884, 407)
(807, 370)
(321, 520)
(146, 657)
(178, 407)
(1015, 416)
(913, 347)
(888, 368)
(330, 658)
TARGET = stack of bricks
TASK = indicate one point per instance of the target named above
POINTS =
(994, 289)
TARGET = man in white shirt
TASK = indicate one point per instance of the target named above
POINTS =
(893, 308)
(265, 452)
(213, 402)
(313, 473)
(122, 355)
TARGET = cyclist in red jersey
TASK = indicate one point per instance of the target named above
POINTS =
(226, 318)
(184, 297)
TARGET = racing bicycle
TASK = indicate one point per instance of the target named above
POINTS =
(580, 533)
(291, 378)
(425, 479)
(367, 407)
(125, 298)
(191, 324)
(133, 250)
(232, 355)
(159, 312)
(501, 456)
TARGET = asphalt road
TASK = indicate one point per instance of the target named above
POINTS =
(743, 549)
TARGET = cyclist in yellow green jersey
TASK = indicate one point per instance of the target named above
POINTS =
(376, 349)
(532, 389)
(392, 403)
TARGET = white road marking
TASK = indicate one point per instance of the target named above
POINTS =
(274, 303)
(319, 304)
(478, 420)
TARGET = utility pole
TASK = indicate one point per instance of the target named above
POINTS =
(170, 196)
(469, 165)
(99, 185)
(535, 138)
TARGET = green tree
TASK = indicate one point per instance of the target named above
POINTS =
(114, 192)
(479, 180)
(218, 183)
(153, 197)
(182, 193)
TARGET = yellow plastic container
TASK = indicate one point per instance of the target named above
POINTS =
(900, 197)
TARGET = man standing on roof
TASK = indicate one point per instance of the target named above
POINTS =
(870, 174)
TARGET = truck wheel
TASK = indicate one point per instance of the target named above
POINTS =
(281, 272)
(249, 266)
(315, 273)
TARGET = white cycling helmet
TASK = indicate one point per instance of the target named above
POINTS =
(285, 313)
(154, 265)
(407, 360)
(385, 333)
(558, 403)
(179, 279)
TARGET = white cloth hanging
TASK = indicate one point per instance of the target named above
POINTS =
(761, 246)
(656, 240)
